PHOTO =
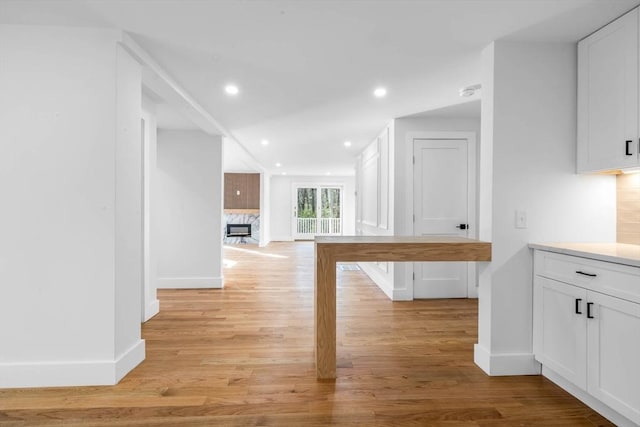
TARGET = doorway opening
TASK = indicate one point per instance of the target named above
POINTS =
(317, 211)
(444, 205)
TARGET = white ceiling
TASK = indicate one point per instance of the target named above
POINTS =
(306, 69)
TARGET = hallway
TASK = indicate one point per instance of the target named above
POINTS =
(243, 356)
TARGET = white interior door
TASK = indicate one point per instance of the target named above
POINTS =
(441, 208)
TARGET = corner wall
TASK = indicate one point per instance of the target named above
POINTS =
(70, 180)
(384, 182)
(375, 177)
(528, 162)
(188, 225)
(150, 303)
(265, 208)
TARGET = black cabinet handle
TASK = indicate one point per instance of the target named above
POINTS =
(589, 316)
(627, 149)
(586, 274)
(578, 301)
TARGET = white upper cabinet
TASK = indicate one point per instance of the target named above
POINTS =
(608, 115)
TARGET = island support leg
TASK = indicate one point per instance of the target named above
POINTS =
(325, 314)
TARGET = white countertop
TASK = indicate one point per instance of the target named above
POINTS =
(619, 253)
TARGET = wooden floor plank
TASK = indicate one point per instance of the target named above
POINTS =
(243, 356)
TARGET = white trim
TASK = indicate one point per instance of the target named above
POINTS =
(470, 137)
(378, 277)
(505, 363)
(159, 81)
(263, 243)
(72, 373)
(472, 280)
(482, 358)
(595, 404)
(403, 294)
(151, 309)
(282, 239)
(129, 360)
(190, 282)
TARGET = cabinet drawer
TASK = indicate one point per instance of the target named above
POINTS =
(617, 280)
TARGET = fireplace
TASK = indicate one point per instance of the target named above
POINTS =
(238, 230)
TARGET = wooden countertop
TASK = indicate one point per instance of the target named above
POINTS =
(329, 250)
(404, 248)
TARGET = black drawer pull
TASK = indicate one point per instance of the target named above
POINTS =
(627, 150)
(578, 301)
(589, 316)
(586, 274)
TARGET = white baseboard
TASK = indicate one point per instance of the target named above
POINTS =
(190, 283)
(379, 278)
(281, 239)
(403, 294)
(506, 363)
(129, 360)
(151, 309)
(264, 243)
(588, 400)
(73, 373)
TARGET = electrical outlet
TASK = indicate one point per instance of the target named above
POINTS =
(521, 219)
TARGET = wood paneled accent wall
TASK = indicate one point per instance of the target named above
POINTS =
(248, 185)
(628, 208)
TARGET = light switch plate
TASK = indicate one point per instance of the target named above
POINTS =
(521, 219)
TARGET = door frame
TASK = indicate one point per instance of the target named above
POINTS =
(472, 199)
(318, 186)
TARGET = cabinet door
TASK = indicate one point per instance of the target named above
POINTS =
(559, 329)
(614, 353)
(608, 96)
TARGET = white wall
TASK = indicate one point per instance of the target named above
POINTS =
(150, 303)
(384, 177)
(128, 207)
(529, 130)
(403, 188)
(188, 225)
(69, 290)
(265, 209)
(375, 199)
(281, 203)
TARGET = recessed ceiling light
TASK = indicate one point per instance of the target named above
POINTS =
(265, 142)
(328, 173)
(284, 173)
(380, 92)
(278, 164)
(231, 89)
(347, 143)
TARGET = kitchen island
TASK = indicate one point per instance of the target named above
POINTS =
(330, 250)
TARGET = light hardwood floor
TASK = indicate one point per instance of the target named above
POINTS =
(243, 356)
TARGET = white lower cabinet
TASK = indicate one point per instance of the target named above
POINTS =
(560, 331)
(589, 338)
(613, 353)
